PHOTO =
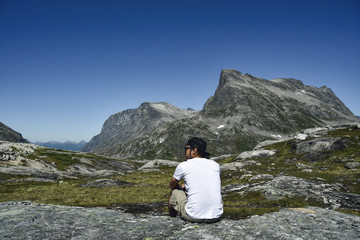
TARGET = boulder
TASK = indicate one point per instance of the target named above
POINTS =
(319, 145)
(267, 143)
(352, 165)
(301, 136)
(318, 149)
(37, 173)
(221, 157)
(90, 171)
(157, 163)
(7, 154)
(255, 154)
(233, 166)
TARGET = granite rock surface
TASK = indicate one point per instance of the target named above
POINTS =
(29, 220)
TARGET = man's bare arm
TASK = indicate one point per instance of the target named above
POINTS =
(173, 182)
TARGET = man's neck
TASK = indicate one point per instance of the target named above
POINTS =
(198, 156)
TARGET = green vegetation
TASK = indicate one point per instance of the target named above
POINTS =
(144, 188)
(254, 203)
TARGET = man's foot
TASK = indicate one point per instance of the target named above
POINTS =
(172, 212)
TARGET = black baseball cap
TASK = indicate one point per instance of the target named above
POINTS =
(200, 144)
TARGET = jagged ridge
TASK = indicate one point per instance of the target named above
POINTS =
(243, 111)
(280, 105)
(133, 123)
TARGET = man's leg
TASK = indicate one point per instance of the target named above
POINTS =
(177, 202)
(172, 211)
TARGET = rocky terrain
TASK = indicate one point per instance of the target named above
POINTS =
(244, 111)
(28, 220)
(303, 187)
(42, 164)
(8, 134)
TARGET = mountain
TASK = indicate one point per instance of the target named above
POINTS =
(280, 105)
(133, 123)
(8, 134)
(68, 145)
(246, 108)
(243, 111)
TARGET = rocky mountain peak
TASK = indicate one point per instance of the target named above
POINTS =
(133, 123)
(10, 135)
(232, 77)
(163, 108)
(250, 96)
(227, 75)
(326, 89)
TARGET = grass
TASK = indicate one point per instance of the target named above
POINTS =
(70, 192)
(254, 203)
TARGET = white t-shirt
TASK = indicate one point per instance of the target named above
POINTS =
(203, 184)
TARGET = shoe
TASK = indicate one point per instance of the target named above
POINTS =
(172, 212)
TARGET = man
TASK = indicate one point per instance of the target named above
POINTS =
(199, 199)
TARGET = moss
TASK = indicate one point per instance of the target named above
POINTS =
(349, 211)
(254, 203)
(227, 160)
(243, 212)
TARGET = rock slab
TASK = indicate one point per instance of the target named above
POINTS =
(28, 220)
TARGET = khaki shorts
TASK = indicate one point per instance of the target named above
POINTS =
(178, 201)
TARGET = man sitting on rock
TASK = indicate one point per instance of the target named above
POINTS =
(199, 199)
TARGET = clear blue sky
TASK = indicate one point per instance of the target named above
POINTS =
(67, 65)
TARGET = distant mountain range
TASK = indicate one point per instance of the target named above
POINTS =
(243, 111)
(10, 135)
(68, 145)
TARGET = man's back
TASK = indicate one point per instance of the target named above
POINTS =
(202, 179)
